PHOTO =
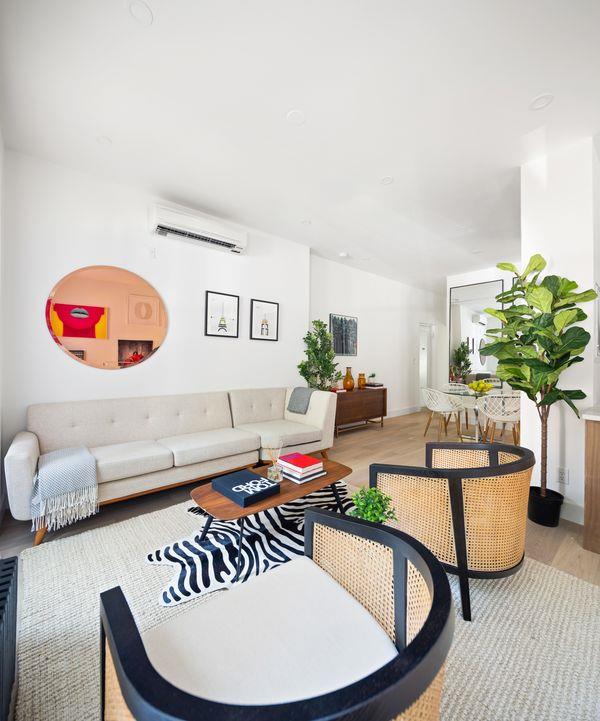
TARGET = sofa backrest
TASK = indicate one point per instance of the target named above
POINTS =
(257, 404)
(103, 422)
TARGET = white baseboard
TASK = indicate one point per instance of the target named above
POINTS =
(572, 512)
(403, 411)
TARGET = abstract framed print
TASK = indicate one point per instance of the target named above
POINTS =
(344, 329)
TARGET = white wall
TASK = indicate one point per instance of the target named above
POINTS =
(57, 220)
(388, 314)
(557, 220)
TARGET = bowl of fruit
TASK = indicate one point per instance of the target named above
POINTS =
(480, 388)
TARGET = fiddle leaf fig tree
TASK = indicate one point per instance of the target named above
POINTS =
(318, 369)
(538, 340)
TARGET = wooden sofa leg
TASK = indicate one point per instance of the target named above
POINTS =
(324, 454)
(39, 535)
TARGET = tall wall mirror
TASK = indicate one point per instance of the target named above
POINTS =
(468, 324)
(106, 317)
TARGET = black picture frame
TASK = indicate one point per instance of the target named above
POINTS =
(339, 343)
(237, 314)
(267, 302)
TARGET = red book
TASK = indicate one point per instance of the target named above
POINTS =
(298, 461)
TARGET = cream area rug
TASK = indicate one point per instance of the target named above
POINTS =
(531, 653)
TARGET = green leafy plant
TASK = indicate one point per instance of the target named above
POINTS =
(319, 370)
(372, 505)
(538, 340)
(461, 361)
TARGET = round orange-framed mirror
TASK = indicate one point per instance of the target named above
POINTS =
(106, 317)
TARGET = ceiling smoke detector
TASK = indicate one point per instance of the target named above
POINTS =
(295, 117)
(141, 12)
(387, 180)
(541, 101)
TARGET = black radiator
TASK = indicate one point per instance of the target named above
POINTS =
(8, 631)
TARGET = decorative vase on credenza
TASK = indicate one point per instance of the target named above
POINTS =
(348, 380)
(362, 381)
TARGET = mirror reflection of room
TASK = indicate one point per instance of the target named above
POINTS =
(106, 317)
(469, 324)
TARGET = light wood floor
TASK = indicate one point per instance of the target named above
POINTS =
(399, 441)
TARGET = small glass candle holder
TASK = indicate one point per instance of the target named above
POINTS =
(274, 470)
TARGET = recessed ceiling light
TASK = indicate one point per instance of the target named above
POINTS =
(387, 180)
(306, 221)
(295, 117)
(104, 140)
(344, 254)
(541, 101)
(141, 12)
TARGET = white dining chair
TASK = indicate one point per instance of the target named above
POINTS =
(444, 406)
(501, 409)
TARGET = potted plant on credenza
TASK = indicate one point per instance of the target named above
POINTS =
(537, 341)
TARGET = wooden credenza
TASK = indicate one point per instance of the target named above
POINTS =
(366, 405)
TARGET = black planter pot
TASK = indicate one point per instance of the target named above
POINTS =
(544, 511)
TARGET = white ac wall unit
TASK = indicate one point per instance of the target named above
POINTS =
(194, 227)
(481, 319)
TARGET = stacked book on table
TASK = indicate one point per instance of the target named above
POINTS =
(299, 468)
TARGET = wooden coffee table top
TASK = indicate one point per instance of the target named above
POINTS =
(221, 508)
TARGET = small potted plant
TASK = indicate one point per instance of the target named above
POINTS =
(371, 504)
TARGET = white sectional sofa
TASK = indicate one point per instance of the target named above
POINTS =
(145, 444)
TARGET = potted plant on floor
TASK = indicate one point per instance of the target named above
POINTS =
(461, 363)
(537, 341)
(319, 370)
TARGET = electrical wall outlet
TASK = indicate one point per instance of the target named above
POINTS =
(563, 476)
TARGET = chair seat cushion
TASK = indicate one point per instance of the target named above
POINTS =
(208, 445)
(281, 433)
(291, 633)
(123, 460)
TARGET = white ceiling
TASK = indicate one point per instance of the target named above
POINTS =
(435, 94)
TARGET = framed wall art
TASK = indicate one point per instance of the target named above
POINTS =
(264, 320)
(221, 316)
(344, 329)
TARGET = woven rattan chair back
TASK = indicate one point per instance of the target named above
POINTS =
(396, 578)
(468, 506)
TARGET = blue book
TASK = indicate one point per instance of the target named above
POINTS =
(245, 487)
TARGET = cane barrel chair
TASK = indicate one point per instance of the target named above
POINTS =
(468, 506)
(365, 616)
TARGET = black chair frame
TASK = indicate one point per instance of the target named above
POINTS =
(454, 477)
(381, 696)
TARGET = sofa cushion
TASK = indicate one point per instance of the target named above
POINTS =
(304, 636)
(278, 434)
(104, 422)
(257, 404)
(122, 460)
(206, 446)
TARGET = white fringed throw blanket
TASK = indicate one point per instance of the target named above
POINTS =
(65, 488)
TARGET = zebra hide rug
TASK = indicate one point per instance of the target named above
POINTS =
(270, 538)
